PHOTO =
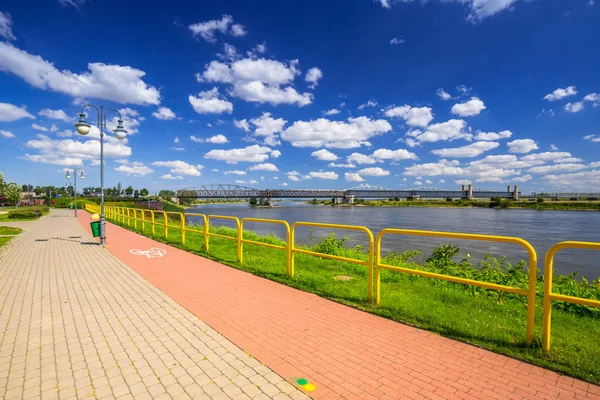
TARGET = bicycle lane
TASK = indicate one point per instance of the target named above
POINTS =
(343, 352)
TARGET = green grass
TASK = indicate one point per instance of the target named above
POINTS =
(4, 240)
(7, 230)
(4, 218)
(481, 317)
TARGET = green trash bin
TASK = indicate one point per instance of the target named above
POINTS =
(95, 228)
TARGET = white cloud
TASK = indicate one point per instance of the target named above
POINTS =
(9, 112)
(121, 84)
(562, 167)
(593, 138)
(333, 111)
(6, 26)
(252, 182)
(471, 150)
(480, 171)
(479, 9)
(353, 177)
(284, 184)
(442, 94)
(493, 135)
(470, 108)
(178, 148)
(53, 128)
(324, 155)
(336, 165)
(55, 114)
(574, 107)
(176, 140)
(369, 103)
(335, 134)
(208, 102)
(225, 25)
(504, 160)
(264, 167)
(7, 134)
(169, 176)
(179, 167)
(68, 161)
(328, 175)
(593, 97)
(313, 76)
(522, 146)
(540, 158)
(258, 80)
(569, 160)
(442, 181)
(275, 153)
(268, 127)
(414, 116)
(136, 169)
(523, 178)
(360, 159)
(418, 183)
(214, 170)
(396, 40)
(217, 139)
(39, 127)
(164, 113)
(561, 93)
(254, 153)
(553, 147)
(578, 181)
(450, 130)
(122, 161)
(373, 171)
(234, 172)
(242, 124)
(395, 155)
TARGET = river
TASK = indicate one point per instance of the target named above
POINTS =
(540, 228)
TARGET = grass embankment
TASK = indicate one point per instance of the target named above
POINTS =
(500, 203)
(7, 233)
(493, 320)
(24, 214)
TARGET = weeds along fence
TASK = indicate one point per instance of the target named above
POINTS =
(160, 223)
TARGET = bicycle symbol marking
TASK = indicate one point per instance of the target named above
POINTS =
(154, 252)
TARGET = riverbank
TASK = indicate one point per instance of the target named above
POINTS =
(491, 319)
(504, 204)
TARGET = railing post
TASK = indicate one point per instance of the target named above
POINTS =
(547, 318)
(241, 243)
(288, 251)
(182, 228)
(292, 247)
(165, 224)
(134, 218)
(128, 217)
(152, 211)
(206, 233)
(143, 221)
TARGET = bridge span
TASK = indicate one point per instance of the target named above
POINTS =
(225, 191)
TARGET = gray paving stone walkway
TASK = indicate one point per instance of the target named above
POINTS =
(75, 322)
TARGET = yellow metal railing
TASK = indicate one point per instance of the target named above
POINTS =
(530, 292)
(368, 264)
(549, 296)
(208, 234)
(204, 227)
(287, 248)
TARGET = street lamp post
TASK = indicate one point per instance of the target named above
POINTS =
(81, 176)
(83, 128)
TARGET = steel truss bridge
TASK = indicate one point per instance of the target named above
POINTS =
(240, 192)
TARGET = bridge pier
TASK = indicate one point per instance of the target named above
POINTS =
(516, 193)
(349, 199)
(338, 200)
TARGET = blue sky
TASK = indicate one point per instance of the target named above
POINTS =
(319, 94)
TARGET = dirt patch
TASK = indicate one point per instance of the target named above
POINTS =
(343, 278)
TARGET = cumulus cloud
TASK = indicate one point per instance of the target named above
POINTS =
(9, 112)
(335, 134)
(369, 103)
(179, 167)
(313, 76)
(574, 107)
(217, 139)
(234, 172)
(442, 94)
(414, 116)
(242, 124)
(333, 111)
(39, 127)
(478, 171)
(471, 150)
(169, 176)
(6, 26)
(121, 84)
(394, 155)
(373, 171)
(489, 136)
(353, 177)
(254, 153)
(207, 29)
(560, 93)
(592, 138)
(258, 80)
(359, 158)
(7, 134)
(264, 167)
(324, 155)
(267, 128)
(396, 41)
(135, 169)
(561, 167)
(479, 9)
(336, 165)
(470, 108)
(445, 131)
(54, 114)
(522, 146)
(328, 175)
(164, 113)
(208, 102)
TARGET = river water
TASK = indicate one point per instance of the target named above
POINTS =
(540, 228)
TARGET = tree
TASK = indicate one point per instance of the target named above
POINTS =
(13, 192)
(144, 192)
(119, 189)
(129, 191)
(38, 190)
(2, 184)
(136, 193)
(166, 193)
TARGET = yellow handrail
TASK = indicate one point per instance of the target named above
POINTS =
(368, 264)
(204, 227)
(267, 221)
(530, 293)
(549, 296)
(207, 233)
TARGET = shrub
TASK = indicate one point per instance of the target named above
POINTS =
(23, 214)
(540, 200)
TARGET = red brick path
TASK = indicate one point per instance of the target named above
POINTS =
(346, 353)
